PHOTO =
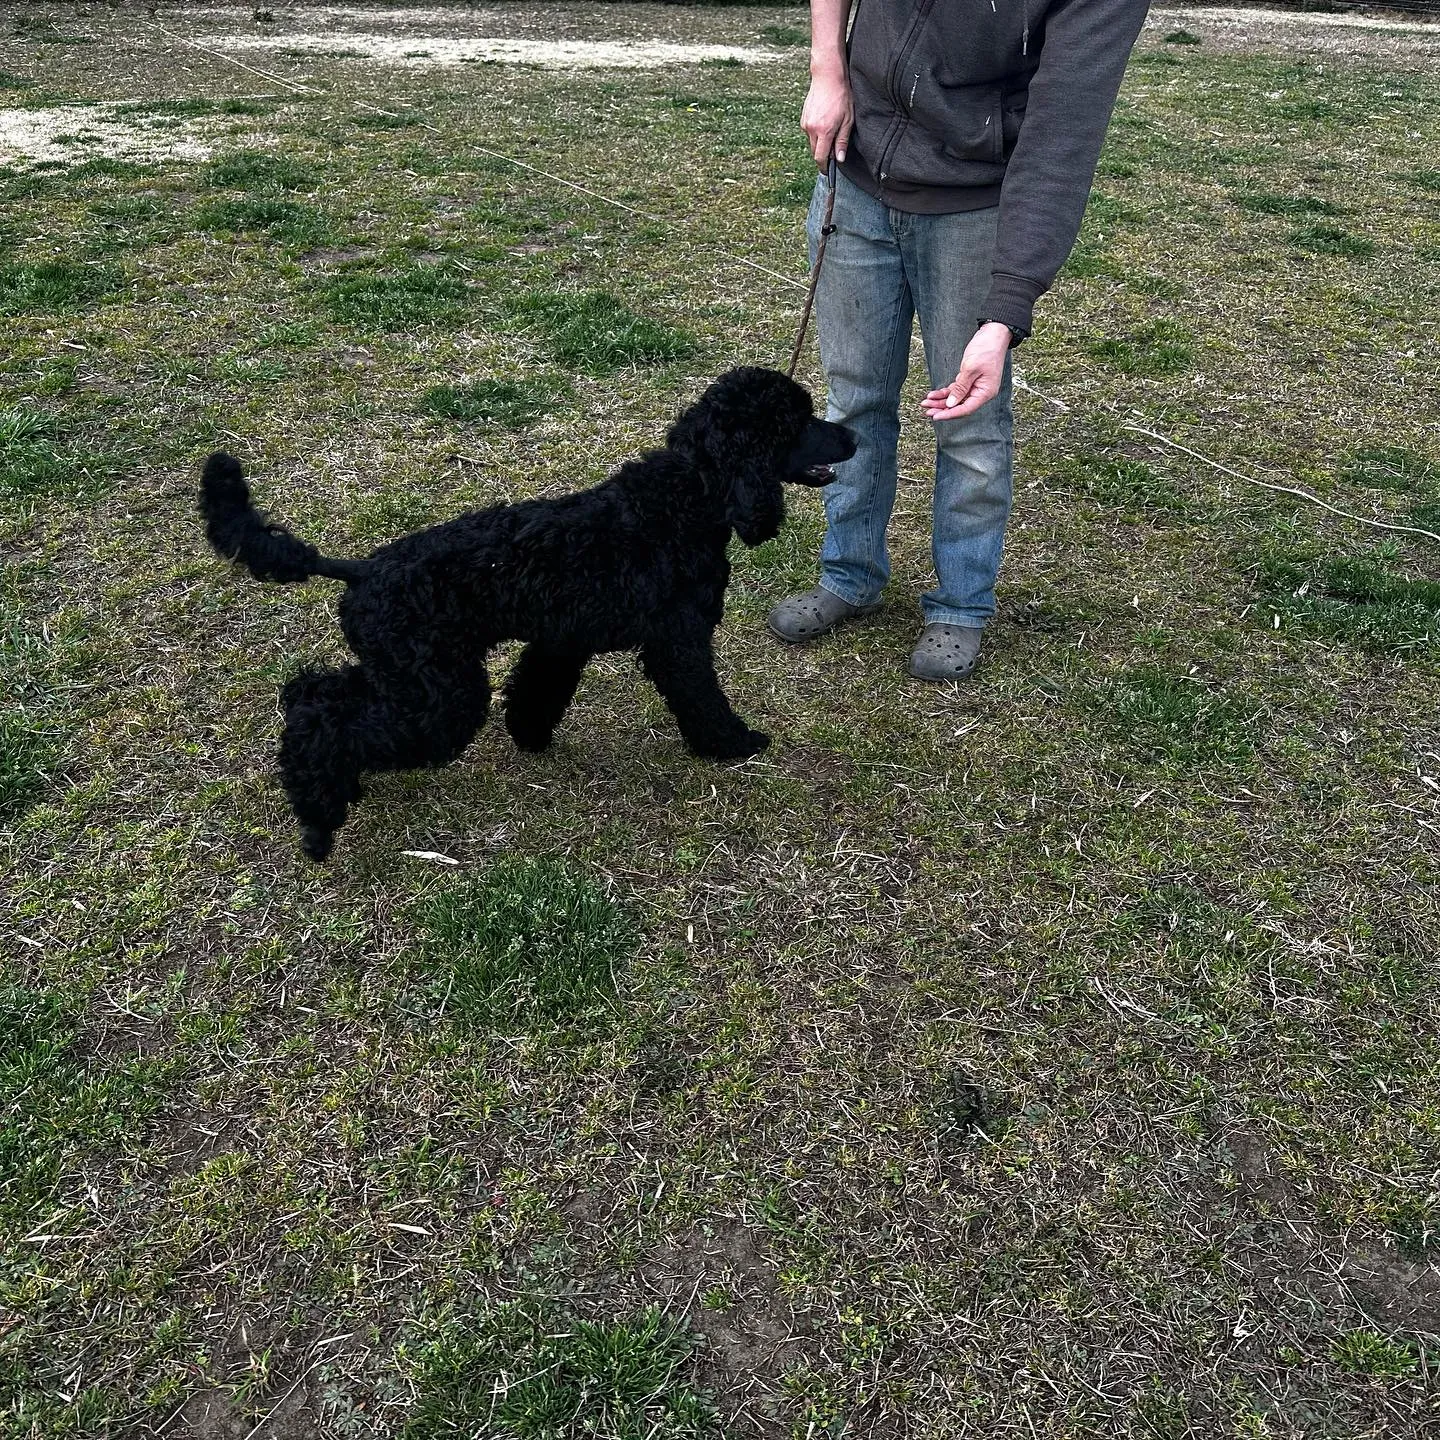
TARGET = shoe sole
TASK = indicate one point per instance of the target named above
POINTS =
(943, 679)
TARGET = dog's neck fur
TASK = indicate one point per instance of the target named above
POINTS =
(692, 497)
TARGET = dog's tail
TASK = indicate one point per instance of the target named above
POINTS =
(241, 533)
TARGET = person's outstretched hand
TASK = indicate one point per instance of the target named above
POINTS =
(979, 378)
(828, 116)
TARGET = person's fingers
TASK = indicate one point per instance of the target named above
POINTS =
(980, 395)
(821, 136)
(973, 387)
(952, 406)
(843, 138)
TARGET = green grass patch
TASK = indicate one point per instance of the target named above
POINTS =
(1331, 240)
(29, 736)
(47, 32)
(419, 295)
(598, 334)
(1173, 717)
(53, 1106)
(14, 82)
(289, 220)
(1357, 599)
(1105, 209)
(1421, 179)
(1262, 202)
(785, 34)
(383, 514)
(1307, 109)
(1391, 467)
(1426, 516)
(289, 335)
(1161, 347)
(1182, 37)
(32, 464)
(260, 170)
(524, 1374)
(1365, 1352)
(130, 222)
(55, 286)
(530, 942)
(1415, 1231)
(28, 754)
(797, 190)
(505, 403)
(1126, 484)
(194, 109)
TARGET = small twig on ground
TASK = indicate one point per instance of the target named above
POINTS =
(1021, 383)
(1284, 489)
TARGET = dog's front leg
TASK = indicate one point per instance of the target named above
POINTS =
(682, 668)
(538, 691)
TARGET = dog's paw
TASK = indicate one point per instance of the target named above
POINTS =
(532, 741)
(317, 844)
(739, 746)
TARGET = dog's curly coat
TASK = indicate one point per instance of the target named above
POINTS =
(637, 563)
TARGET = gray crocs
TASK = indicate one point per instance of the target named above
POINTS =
(946, 652)
(809, 616)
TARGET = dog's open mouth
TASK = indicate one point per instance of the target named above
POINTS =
(816, 475)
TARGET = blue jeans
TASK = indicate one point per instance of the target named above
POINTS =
(882, 267)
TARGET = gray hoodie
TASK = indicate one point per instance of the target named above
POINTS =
(963, 104)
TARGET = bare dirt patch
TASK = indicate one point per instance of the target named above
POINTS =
(1245, 32)
(71, 134)
(433, 51)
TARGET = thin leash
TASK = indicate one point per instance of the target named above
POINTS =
(826, 229)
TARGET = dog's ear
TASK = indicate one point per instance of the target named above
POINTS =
(755, 505)
(735, 435)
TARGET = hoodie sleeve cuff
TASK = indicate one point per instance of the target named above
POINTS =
(1011, 301)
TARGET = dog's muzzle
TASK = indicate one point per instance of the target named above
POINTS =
(823, 446)
(816, 475)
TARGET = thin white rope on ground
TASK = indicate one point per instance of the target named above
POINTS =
(483, 149)
(1283, 489)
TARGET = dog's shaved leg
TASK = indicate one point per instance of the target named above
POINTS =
(683, 671)
(538, 691)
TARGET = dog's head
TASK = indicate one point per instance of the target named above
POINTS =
(748, 434)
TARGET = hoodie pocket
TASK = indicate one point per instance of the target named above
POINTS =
(954, 135)
(965, 122)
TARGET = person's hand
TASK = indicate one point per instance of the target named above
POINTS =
(981, 369)
(828, 116)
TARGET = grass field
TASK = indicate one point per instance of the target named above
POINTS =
(1052, 1057)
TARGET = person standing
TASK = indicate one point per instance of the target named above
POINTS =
(965, 135)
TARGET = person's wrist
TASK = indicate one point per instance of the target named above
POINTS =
(826, 66)
(996, 331)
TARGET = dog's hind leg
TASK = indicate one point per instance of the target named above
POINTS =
(538, 691)
(319, 758)
(339, 725)
(681, 666)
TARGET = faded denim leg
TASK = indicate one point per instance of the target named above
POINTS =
(947, 261)
(864, 313)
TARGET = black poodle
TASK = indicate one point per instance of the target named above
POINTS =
(637, 563)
